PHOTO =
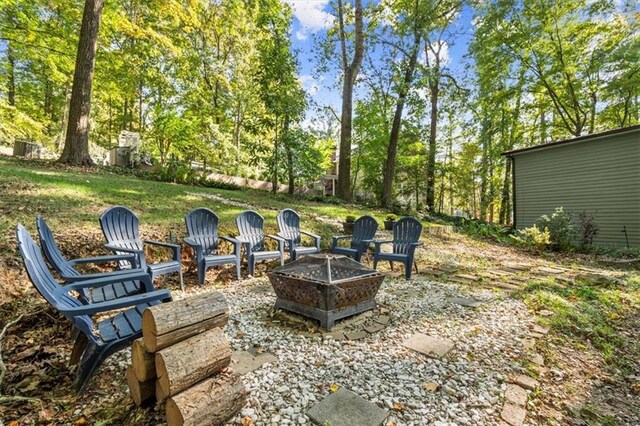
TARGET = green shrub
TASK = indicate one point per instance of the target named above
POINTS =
(350, 219)
(533, 237)
(561, 227)
(588, 229)
(392, 217)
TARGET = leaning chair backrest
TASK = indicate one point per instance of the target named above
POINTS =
(364, 228)
(51, 250)
(46, 284)
(289, 224)
(251, 228)
(406, 231)
(120, 227)
(202, 226)
(40, 275)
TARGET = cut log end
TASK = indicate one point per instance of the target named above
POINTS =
(141, 392)
(211, 402)
(143, 361)
(149, 330)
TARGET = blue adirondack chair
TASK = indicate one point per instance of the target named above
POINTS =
(364, 232)
(406, 237)
(120, 228)
(289, 225)
(202, 227)
(251, 234)
(94, 341)
(68, 272)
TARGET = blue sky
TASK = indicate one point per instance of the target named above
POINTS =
(312, 17)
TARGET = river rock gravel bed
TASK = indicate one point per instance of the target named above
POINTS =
(470, 379)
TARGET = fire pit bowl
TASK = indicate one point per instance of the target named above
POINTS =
(325, 287)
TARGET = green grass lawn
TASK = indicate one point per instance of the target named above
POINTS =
(72, 198)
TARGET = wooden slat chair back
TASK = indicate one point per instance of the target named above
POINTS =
(251, 235)
(94, 341)
(68, 272)
(120, 228)
(289, 230)
(203, 237)
(406, 238)
(364, 232)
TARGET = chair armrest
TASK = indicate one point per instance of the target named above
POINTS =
(309, 234)
(123, 302)
(83, 277)
(124, 249)
(280, 241)
(417, 244)
(136, 274)
(341, 237)
(175, 248)
(102, 259)
(236, 243)
(378, 243)
(192, 242)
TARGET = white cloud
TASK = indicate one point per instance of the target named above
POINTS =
(311, 15)
(309, 84)
(444, 54)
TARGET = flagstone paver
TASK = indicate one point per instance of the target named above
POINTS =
(516, 395)
(356, 335)
(539, 329)
(463, 301)
(526, 382)
(428, 345)
(537, 359)
(374, 328)
(513, 414)
(345, 408)
(382, 319)
(244, 361)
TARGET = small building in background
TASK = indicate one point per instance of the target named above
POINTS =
(127, 152)
(598, 174)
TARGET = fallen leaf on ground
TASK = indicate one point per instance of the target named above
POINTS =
(334, 387)
(398, 406)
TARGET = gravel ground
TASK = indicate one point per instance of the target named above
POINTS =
(471, 378)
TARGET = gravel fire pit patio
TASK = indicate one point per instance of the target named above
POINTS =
(325, 287)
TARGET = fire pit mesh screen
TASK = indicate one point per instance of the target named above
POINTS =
(327, 269)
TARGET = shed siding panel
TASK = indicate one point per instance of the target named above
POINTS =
(601, 176)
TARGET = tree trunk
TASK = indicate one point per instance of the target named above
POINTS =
(166, 324)
(76, 146)
(292, 181)
(274, 178)
(11, 90)
(186, 363)
(349, 78)
(210, 402)
(434, 88)
(392, 149)
(140, 392)
(142, 361)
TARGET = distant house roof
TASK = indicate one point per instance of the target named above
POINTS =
(573, 140)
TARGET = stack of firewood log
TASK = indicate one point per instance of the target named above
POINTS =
(182, 360)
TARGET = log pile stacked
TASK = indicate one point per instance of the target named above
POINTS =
(182, 360)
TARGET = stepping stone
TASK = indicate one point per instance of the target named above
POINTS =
(528, 344)
(545, 313)
(382, 319)
(526, 382)
(506, 286)
(463, 301)
(356, 335)
(334, 336)
(428, 345)
(468, 277)
(434, 272)
(512, 414)
(516, 395)
(458, 280)
(345, 408)
(540, 330)
(517, 266)
(549, 271)
(537, 359)
(244, 361)
(502, 273)
(374, 328)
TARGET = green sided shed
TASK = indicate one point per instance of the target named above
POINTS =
(597, 173)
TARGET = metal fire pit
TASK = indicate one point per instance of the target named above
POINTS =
(325, 287)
